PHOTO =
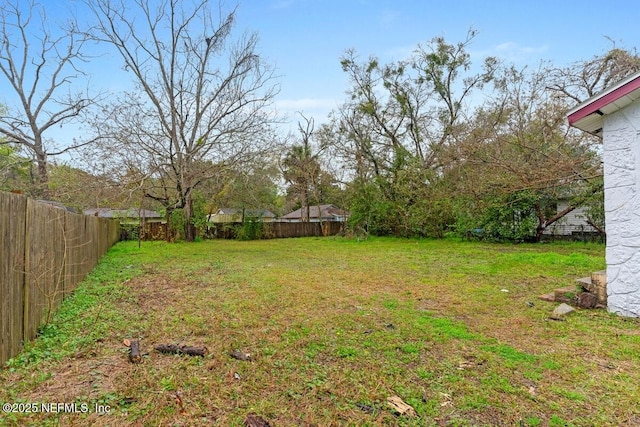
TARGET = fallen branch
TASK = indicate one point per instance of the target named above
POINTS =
(184, 349)
(134, 351)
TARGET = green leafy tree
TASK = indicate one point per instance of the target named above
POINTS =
(301, 171)
(15, 170)
(511, 217)
(308, 182)
(397, 126)
(520, 144)
(594, 208)
(253, 187)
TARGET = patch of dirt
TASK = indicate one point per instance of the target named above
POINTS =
(490, 416)
(154, 292)
(81, 377)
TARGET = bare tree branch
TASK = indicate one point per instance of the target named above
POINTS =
(202, 100)
(40, 65)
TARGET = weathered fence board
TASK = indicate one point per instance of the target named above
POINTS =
(12, 230)
(45, 268)
(46, 252)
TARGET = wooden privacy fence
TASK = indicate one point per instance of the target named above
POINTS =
(260, 230)
(151, 231)
(277, 230)
(45, 251)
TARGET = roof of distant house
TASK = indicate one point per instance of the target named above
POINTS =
(57, 205)
(588, 115)
(327, 211)
(256, 213)
(122, 213)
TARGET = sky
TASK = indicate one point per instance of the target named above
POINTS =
(304, 39)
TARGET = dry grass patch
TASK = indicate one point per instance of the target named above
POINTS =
(334, 327)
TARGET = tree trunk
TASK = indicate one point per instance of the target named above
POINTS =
(599, 229)
(305, 204)
(543, 222)
(43, 176)
(189, 228)
(170, 230)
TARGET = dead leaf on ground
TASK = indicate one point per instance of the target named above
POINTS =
(177, 397)
(401, 407)
(466, 364)
(240, 355)
(446, 400)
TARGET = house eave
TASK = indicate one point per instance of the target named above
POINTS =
(588, 116)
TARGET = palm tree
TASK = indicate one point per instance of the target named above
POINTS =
(301, 169)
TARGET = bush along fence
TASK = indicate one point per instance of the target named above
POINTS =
(250, 230)
(45, 251)
(151, 231)
(273, 230)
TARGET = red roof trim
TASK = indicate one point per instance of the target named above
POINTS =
(605, 100)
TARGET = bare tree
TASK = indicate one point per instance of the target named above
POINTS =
(584, 79)
(201, 98)
(40, 65)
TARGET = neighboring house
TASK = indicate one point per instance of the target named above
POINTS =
(324, 213)
(126, 216)
(572, 224)
(57, 205)
(615, 115)
(239, 215)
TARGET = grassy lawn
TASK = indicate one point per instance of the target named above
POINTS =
(334, 328)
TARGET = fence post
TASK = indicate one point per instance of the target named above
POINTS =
(27, 274)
